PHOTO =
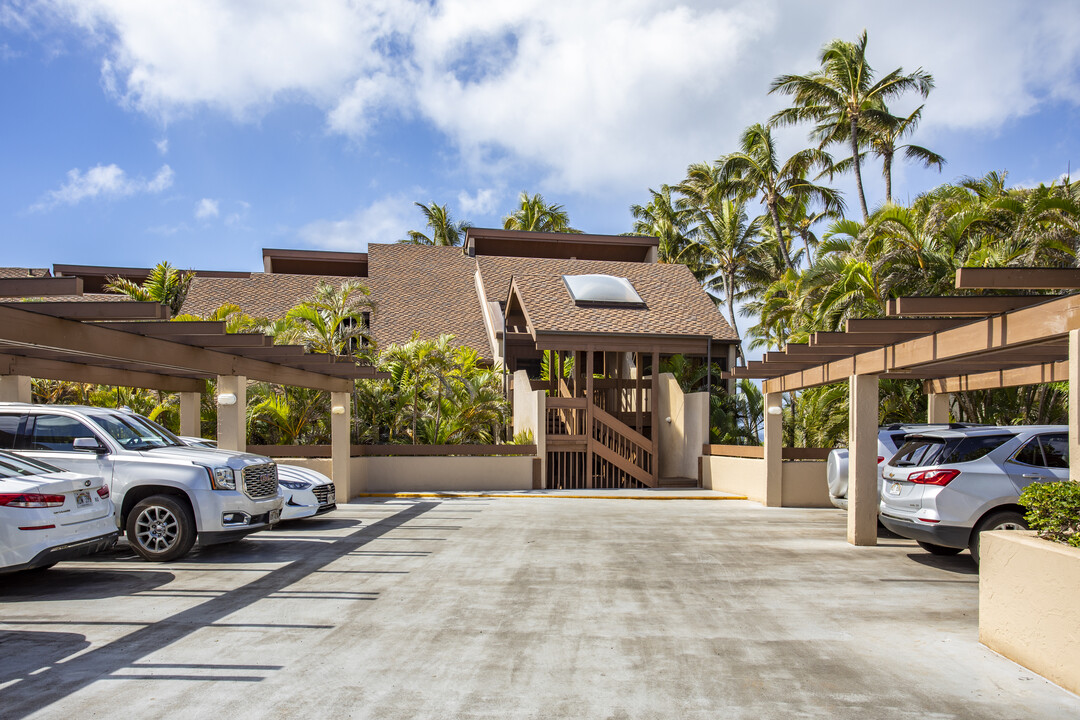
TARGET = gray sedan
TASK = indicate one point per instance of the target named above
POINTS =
(944, 487)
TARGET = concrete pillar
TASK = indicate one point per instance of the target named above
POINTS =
(232, 418)
(732, 358)
(191, 414)
(340, 454)
(774, 448)
(16, 388)
(1074, 404)
(862, 460)
(937, 408)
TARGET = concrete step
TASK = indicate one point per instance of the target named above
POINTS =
(678, 482)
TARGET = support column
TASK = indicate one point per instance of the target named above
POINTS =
(937, 408)
(232, 417)
(340, 455)
(191, 414)
(16, 388)
(774, 448)
(1074, 404)
(862, 460)
(654, 415)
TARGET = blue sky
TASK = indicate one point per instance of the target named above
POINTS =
(200, 132)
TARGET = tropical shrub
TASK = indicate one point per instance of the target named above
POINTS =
(1053, 510)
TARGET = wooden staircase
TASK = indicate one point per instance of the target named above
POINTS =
(622, 457)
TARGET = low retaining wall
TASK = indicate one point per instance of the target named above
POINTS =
(803, 482)
(1027, 603)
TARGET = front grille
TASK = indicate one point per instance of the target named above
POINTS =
(260, 481)
(324, 493)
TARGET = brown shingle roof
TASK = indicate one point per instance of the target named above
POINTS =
(428, 290)
(17, 272)
(260, 295)
(675, 303)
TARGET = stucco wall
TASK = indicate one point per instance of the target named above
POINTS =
(422, 474)
(682, 438)
(1028, 610)
(803, 483)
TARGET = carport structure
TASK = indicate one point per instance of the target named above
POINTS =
(952, 344)
(133, 344)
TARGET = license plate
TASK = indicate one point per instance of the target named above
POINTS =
(82, 498)
(275, 515)
(894, 489)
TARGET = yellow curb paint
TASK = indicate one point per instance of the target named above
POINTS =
(574, 497)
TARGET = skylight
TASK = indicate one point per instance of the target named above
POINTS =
(601, 289)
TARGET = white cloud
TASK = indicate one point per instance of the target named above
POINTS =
(206, 209)
(600, 96)
(105, 182)
(162, 146)
(384, 221)
(481, 203)
(236, 219)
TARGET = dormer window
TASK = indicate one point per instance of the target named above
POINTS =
(602, 290)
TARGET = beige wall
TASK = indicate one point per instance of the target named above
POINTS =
(682, 438)
(421, 474)
(1028, 610)
(530, 408)
(803, 483)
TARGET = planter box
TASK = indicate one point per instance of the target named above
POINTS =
(1028, 610)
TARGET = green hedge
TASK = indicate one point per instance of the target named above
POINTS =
(1053, 509)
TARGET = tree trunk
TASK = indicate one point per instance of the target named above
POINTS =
(858, 170)
(775, 214)
(886, 162)
(729, 291)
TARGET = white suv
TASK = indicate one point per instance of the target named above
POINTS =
(166, 494)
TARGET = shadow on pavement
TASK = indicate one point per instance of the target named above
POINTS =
(30, 694)
(22, 652)
(960, 564)
(80, 582)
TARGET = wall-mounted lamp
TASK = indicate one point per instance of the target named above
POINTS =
(226, 399)
(337, 410)
(775, 410)
(667, 420)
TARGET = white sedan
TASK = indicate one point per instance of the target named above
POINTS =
(306, 492)
(48, 514)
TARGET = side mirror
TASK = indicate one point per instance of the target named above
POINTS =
(90, 444)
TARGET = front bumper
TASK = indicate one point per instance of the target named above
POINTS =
(67, 551)
(214, 506)
(954, 536)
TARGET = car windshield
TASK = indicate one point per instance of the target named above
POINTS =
(15, 466)
(135, 433)
(920, 451)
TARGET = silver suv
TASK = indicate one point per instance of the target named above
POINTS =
(944, 487)
(166, 493)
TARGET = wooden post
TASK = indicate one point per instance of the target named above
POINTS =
(863, 497)
(639, 391)
(774, 449)
(654, 393)
(589, 352)
(340, 425)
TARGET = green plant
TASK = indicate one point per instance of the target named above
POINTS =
(1053, 509)
(525, 437)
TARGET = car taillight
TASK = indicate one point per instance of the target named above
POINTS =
(30, 500)
(103, 492)
(880, 459)
(933, 477)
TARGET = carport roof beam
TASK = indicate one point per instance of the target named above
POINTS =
(119, 310)
(1018, 278)
(78, 372)
(962, 305)
(40, 286)
(1011, 377)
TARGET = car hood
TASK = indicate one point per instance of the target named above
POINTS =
(207, 456)
(295, 472)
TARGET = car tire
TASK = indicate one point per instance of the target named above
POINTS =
(1004, 520)
(938, 549)
(161, 528)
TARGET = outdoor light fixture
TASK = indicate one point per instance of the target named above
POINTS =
(337, 410)
(775, 410)
(667, 420)
(226, 399)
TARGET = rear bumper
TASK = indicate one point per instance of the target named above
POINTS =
(953, 536)
(68, 551)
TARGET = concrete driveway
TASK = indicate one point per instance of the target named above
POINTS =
(517, 608)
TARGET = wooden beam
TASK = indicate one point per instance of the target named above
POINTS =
(40, 286)
(1050, 320)
(914, 326)
(170, 327)
(1017, 278)
(825, 340)
(119, 310)
(230, 340)
(809, 352)
(94, 344)
(77, 372)
(1012, 377)
(964, 305)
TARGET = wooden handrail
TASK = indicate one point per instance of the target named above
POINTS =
(614, 423)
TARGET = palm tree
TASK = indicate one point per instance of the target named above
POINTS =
(755, 170)
(333, 321)
(664, 220)
(724, 240)
(444, 230)
(844, 101)
(536, 214)
(165, 284)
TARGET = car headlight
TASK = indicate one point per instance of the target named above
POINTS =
(293, 484)
(222, 478)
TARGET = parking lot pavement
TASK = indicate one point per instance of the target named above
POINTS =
(516, 608)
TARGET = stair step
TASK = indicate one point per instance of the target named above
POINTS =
(678, 482)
